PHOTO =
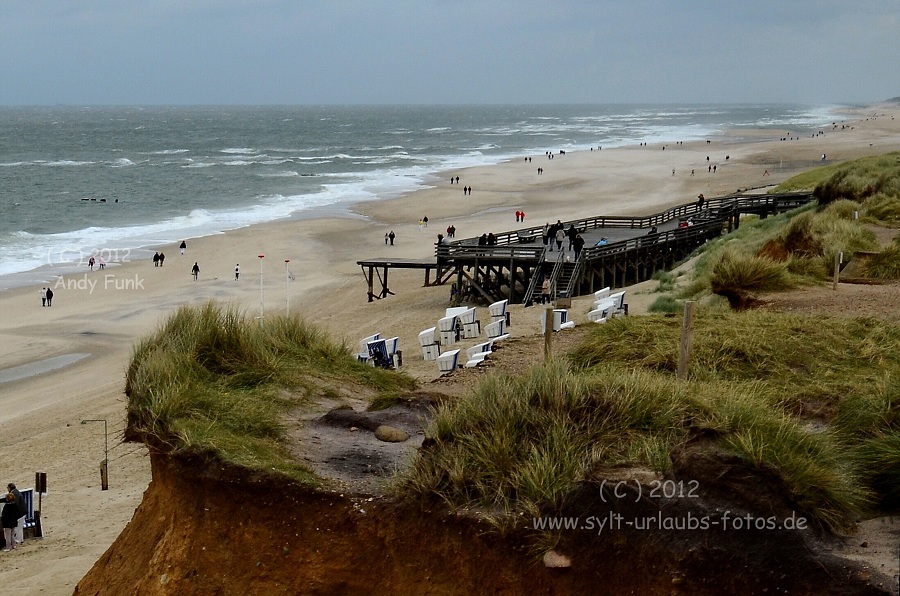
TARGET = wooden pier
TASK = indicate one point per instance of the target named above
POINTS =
(379, 268)
(518, 261)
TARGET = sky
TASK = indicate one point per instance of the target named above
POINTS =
(350, 52)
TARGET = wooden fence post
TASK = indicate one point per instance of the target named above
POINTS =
(548, 333)
(687, 333)
(837, 269)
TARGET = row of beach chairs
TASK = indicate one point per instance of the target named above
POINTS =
(461, 323)
(383, 353)
(607, 305)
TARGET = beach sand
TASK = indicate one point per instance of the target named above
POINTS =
(102, 313)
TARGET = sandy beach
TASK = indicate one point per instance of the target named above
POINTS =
(103, 312)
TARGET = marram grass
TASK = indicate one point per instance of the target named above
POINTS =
(812, 400)
(212, 380)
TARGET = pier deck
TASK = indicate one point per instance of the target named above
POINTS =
(513, 266)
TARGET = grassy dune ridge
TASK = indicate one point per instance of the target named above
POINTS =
(799, 247)
(214, 380)
(792, 395)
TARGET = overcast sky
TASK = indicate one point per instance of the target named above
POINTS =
(447, 52)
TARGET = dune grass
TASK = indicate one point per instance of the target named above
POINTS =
(886, 264)
(798, 248)
(813, 400)
(212, 380)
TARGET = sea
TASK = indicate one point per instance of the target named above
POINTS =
(113, 182)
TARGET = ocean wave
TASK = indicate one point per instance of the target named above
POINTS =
(239, 150)
(66, 163)
(170, 152)
(286, 174)
(122, 162)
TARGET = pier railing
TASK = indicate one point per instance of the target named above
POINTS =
(511, 244)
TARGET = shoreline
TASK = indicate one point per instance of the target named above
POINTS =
(134, 240)
(40, 414)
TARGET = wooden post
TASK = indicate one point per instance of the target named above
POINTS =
(684, 348)
(512, 279)
(548, 333)
(837, 269)
(104, 475)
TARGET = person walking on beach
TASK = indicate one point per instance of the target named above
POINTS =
(391, 237)
(162, 257)
(156, 259)
(237, 272)
(425, 221)
(91, 263)
(49, 297)
(195, 270)
(101, 263)
(182, 246)
(23, 511)
(9, 518)
(43, 296)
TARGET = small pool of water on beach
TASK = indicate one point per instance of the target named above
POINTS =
(40, 367)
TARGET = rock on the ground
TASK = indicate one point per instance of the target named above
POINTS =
(556, 560)
(390, 434)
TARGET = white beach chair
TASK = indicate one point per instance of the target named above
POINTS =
(429, 337)
(498, 310)
(447, 326)
(455, 311)
(467, 316)
(602, 312)
(392, 344)
(484, 347)
(362, 352)
(431, 352)
(430, 342)
(560, 318)
(448, 361)
(477, 359)
(619, 302)
(601, 294)
(495, 329)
